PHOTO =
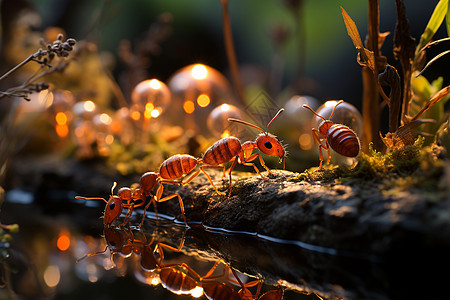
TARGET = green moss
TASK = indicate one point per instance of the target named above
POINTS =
(328, 172)
(400, 169)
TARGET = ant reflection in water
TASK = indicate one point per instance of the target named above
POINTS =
(181, 279)
(178, 277)
(124, 242)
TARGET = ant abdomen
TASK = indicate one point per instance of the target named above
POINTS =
(222, 151)
(343, 140)
(177, 166)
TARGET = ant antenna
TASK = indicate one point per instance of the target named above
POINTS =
(254, 126)
(98, 198)
(245, 123)
(306, 106)
(94, 198)
(279, 112)
(113, 187)
(339, 102)
(317, 115)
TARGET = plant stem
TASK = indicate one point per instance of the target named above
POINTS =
(371, 107)
(28, 59)
(231, 54)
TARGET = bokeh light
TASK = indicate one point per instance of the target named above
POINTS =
(197, 89)
(151, 98)
(52, 276)
(218, 123)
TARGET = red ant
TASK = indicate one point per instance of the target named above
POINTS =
(230, 149)
(339, 137)
(116, 203)
(170, 171)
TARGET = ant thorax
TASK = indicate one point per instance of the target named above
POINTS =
(324, 127)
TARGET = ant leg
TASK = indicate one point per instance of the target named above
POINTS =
(328, 153)
(202, 169)
(211, 271)
(159, 247)
(158, 198)
(261, 161)
(145, 210)
(244, 291)
(252, 157)
(190, 178)
(315, 133)
(92, 254)
(128, 215)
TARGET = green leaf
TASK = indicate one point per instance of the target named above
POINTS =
(447, 19)
(440, 11)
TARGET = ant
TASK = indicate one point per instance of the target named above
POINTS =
(230, 149)
(339, 137)
(116, 203)
(124, 242)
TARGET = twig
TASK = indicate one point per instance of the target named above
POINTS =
(231, 55)
(27, 60)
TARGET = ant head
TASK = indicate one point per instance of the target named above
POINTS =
(113, 209)
(270, 145)
(267, 143)
(114, 238)
(148, 182)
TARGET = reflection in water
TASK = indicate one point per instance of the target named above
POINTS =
(134, 264)
(150, 267)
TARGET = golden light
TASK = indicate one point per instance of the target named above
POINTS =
(52, 276)
(197, 292)
(62, 130)
(199, 72)
(63, 241)
(331, 103)
(149, 106)
(155, 113)
(225, 107)
(135, 115)
(109, 139)
(305, 141)
(155, 281)
(89, 105)
(61, 118)
(203, 100)
(105, 119)
(225, 134)
(155, 84)
(189, 106)
(45, 98)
